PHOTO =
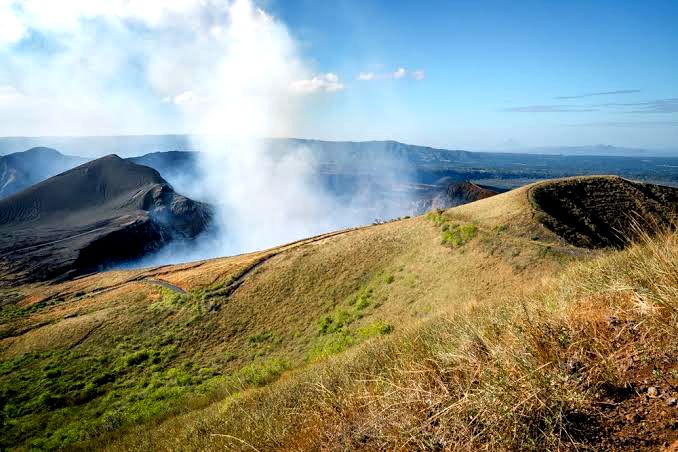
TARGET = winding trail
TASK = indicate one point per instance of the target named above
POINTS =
(148, 275)
(249, 270)
(166, 285)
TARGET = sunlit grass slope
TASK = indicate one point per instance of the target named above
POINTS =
(587, 363)
(418, 333)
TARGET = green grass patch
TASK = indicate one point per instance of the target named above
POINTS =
(51, 400)
(328, 345)
(336, 332)
(457, 235)
(376, 328)
(451, 233)
(263, 372)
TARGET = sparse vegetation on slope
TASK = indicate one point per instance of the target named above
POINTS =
(377, 338)
(587, 363)
(243, 319)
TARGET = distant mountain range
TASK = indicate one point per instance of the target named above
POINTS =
(92, 147)
(346, 167)
(134, 145)
(23, 169)
(600, 150)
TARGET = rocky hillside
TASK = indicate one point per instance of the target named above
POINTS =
(457, 193)
(102, 212)
(598, 212)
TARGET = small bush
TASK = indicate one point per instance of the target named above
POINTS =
(377, 328)
(456, 236)
(437, 217)
(136, 358)
(335, 322)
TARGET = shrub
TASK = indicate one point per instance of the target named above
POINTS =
(136, 358)
(457, 236)
(437, 217)
(265, 336)
(376, 328)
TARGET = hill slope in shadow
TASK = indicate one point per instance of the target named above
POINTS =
(599, 212)
(101, 212)
(22, 169)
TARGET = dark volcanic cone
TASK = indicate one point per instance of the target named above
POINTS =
(459, 193)
(105, 211)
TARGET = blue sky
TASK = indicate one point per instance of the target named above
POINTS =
(474, 75)
(487, 61)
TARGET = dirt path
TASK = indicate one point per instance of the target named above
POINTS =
(232, 287)
(166, 285)
(237, 282)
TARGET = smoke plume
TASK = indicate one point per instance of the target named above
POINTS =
(225, 71)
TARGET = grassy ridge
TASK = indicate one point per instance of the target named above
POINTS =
(461, 329)
(133, 353)
(561, 368)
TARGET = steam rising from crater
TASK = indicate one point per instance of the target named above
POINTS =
(264, 199)
(256, 87)
(225, 71)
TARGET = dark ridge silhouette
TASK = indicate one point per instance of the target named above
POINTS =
(22, 169)
(105, 211)
(451, 193)
(603, 211)
(173, 165)
(465, 192)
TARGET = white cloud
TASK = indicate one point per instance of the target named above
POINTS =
(11, 28)
(366, 76)
(328, 83)
(65, 16)
(185, 98)
(10, 95)
(8, 90)
(172, 47)
(398, 74)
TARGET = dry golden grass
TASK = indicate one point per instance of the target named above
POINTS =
(546, 371)
(491, 347)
